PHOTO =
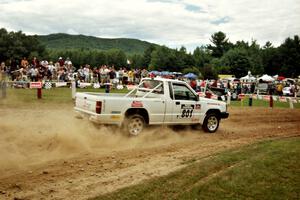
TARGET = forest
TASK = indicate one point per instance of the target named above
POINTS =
(219, 57)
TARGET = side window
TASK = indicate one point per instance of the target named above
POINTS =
(182, 92)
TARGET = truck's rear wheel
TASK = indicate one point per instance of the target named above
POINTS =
(134, 124)
(211, 123)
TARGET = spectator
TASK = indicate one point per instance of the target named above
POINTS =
(86, 72)
(68, 62)
(33, 74)
(279, 88)
(252, 88)
(125, 77)
(61, 61)
(193, 84)
(120, 74)
(96, 75)
(14, 69)
(2, 71)
(35, 62)
(112, 75)
(293, 89)
(137, 76)
(238, 88)
(80, 73)
(24, 63)
(52, 69)
(130, 76)
(41, 73)
(103, 74)
(144, 73)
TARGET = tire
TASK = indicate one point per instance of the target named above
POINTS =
(211, 123)
(134, 125)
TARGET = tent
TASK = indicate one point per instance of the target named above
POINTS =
(190, 76)
(165, 73)
(279, 78)
(248, 78)
(155, 72)
(266, 78)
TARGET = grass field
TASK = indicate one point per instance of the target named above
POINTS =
(263, 103)
(266, 170)
(26, 97)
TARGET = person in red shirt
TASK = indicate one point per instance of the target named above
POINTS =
(35, 62)
(61, 61)
(193, 84)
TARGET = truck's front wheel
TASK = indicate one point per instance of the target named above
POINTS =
(211, 123)
(134, 124)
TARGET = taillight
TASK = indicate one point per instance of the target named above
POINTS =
(98, 107)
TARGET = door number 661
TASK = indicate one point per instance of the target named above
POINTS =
(187, 113)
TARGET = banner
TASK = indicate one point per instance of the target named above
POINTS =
(48, 85)
(84, 85)
(241, 96)
(266, 97)
(60, 84)
(34, 85)
(131, 87)
(282, 99)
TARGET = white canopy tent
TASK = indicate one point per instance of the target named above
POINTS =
(248, 79)
(266, 78)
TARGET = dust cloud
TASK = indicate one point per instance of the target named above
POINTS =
(34, 136)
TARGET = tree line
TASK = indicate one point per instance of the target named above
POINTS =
(224, 57)
(219, 57)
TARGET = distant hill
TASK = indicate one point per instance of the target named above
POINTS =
(62, 41)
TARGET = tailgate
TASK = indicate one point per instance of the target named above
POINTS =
(87, 102)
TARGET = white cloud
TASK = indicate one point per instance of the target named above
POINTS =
(170, 22)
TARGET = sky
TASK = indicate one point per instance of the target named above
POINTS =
(173, 23)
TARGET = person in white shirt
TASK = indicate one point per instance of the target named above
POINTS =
(33, 74)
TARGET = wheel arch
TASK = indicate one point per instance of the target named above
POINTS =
(141, 111)
(215, 111)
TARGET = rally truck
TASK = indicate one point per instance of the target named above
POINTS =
(155, 101)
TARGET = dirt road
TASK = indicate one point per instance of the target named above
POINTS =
(48, 154)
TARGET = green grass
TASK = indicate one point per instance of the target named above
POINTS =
(266, 170)
(262, 103)
(62, 96)
(54, 96)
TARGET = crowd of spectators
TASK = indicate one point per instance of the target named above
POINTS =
(64, 71)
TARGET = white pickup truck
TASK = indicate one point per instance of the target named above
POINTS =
(152, 102)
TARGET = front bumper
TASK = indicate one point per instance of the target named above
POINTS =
(224, 115)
